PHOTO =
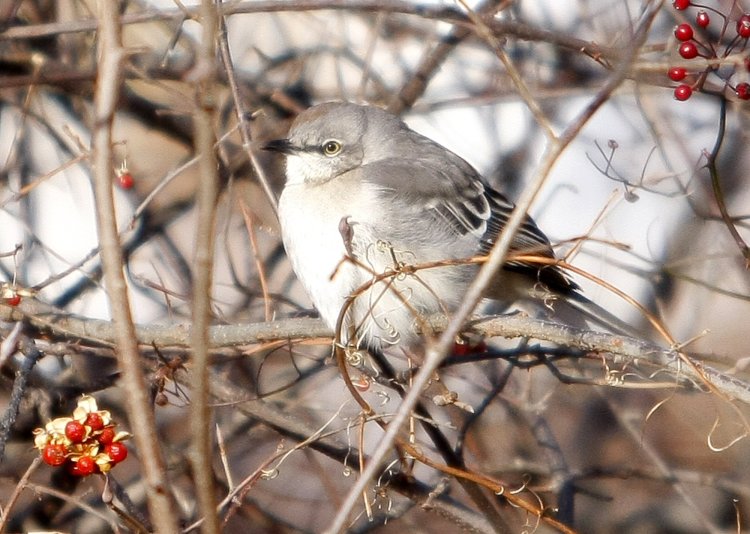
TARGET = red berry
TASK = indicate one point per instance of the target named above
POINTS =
(684, 32)
(681, 4)
(688, 50)
(743, 26)
(94, 421)
(682, 92)
(85, 466)
(677, 73)
(702, 19)
(54, 454)
(460, 349)
(107, 435)
(126, 180)
(743, 91)
(116, 451)
(13, 300)
(75, 431)
(468, 348)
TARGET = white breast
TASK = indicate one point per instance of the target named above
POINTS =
(309, 224)
(385, 313)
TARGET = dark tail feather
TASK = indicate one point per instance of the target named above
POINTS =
(599, 316)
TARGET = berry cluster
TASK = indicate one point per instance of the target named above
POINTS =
(84, 444)
(691, 47)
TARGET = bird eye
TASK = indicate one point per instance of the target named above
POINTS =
(331, 147)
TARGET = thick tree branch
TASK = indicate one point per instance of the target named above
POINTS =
(617, 349)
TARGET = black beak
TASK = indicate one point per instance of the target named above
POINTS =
(279, 145)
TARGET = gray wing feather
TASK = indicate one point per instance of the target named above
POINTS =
(453, 196)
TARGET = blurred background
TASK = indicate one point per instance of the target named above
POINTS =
(633, 200)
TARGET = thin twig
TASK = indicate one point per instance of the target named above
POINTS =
(488, 35)
(5, 512)
(716, 185)
(242, 116)
(259, 267)
(129, 514)
(74, 502)
(32, 354)
(635, 432)
(431, 62)
(203, 77)
(140, 415)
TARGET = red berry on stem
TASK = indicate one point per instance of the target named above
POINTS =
(126, 180)
(681, 4)
(702, 19)
(743, 26)
(54, 454)
(85, 466)
(13, 300)
(75, 431)
(677, 73)
(684, 32)
(682, 92)
(743, 91)
(116, 451)
(94, 421)
(107, 435)
(688, 50)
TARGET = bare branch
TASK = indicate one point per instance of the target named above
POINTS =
(111, 57)
(203, 77)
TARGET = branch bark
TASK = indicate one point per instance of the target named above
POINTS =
(204, 78)
(140, 415)
(616, 349)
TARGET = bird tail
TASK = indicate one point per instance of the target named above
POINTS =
(583, 308)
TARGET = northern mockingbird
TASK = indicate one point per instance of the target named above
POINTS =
(366, 195)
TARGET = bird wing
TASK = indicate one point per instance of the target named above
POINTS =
(452, 199)
(436, 194)
(529, 239)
